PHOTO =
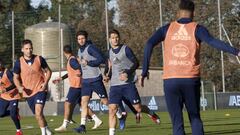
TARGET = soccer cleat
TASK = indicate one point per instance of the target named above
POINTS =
(61, 129)
(97, 124)
(138, 118)
(19, 133)
(122, 122)
(81, 129)
(155, 118)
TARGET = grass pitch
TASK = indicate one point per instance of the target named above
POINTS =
(221, 122)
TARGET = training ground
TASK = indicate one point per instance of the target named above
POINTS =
(221, 122)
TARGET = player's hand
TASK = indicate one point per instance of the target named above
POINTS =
(141, 80)
(20, 91)
(84, 62)
(123, 76)
(2, 90)
(57, 80)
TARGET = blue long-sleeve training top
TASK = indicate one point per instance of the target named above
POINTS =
(95, 52)
(201, 34)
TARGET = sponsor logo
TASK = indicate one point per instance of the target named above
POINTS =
(96, 106)
(234, 100)
(181, 34)
(152, 105)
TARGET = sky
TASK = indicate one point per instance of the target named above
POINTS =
(111, 4)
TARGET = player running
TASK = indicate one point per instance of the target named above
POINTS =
(31, 76)
(74, 94)
(123, 65)
(9, 97)
(181, 68)
(90, 59)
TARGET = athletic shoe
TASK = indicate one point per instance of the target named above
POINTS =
(155, 118)
(81, 129)
(97, 124)
(19, 133)
(122, 122)
(61, 129)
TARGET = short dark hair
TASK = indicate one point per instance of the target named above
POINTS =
(187, 5)
(67, 49)
(82, 32)
(114, 31)
(26, 41)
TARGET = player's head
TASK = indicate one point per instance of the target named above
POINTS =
(114, 38)
(27, 48)
(82, 37)
(1, 65)
(186, 9)
(67, 50)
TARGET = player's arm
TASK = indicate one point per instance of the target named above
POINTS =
(155, 39)
(16, 76)
(202, 34)
(10, 77)
(47, 71)
(133, 59)
(95, 52)
(107, 70)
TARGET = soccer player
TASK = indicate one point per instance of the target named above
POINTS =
(123, 66)
(74, 94)
(90, 59)
(181, 69)
(31, 77)
(9, 97)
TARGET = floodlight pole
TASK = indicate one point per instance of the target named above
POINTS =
(106, 20)
(220, 36)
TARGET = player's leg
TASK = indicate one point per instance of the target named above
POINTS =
(174, 103)
(36, 104)
(101, 91)
(191, 94)
(132, 95)
(115, 97)
(72, 97)
(3, 108)
(121, 115)
(86, 93)
(97, 121)
(112, 118)
(14, 113)
(155, 118)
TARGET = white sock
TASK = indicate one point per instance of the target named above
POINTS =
(95, 118)
(83, 121)
(111, 131)
(48, 131)
(65, 123)
(18, 130)
(43, 130)
(119, 115)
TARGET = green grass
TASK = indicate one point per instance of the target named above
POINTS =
(215, 123)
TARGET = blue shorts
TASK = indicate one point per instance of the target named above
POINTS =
(74, 95)
(12, 105)
(98, 87)
(127, 91)
(39, 98)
